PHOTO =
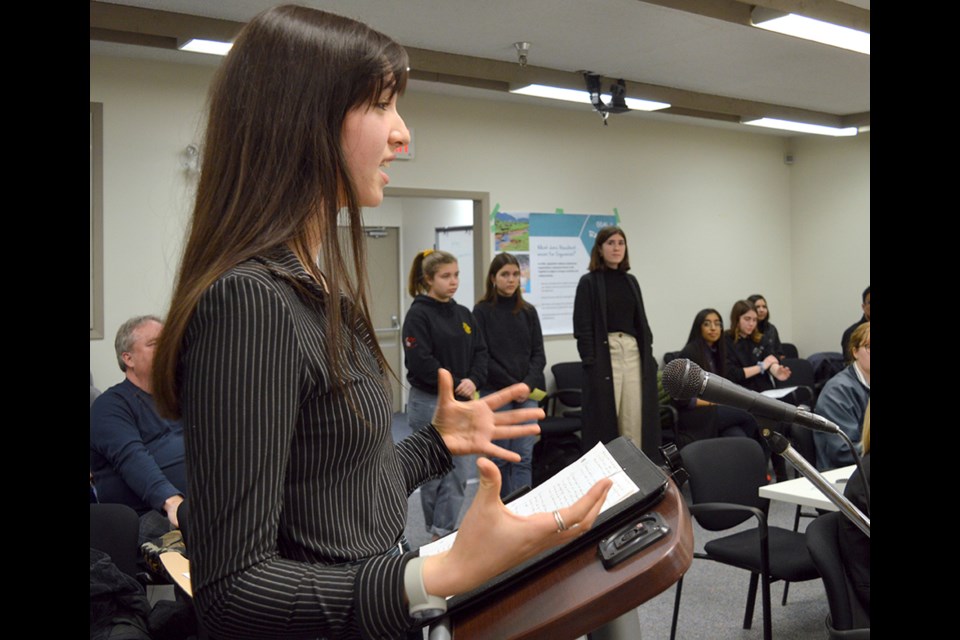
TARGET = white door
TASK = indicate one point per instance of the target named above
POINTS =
(386, 283)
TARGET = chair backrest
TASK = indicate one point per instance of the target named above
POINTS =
(801, 377)
(801, 371)
(789, 350)
(823, 541)
(826, 364)
(568, 376)
(670, 355)
(725, 470)
(115, 530)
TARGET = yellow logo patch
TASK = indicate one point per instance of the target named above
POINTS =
(467, 329)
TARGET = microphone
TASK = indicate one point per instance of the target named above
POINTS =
(684, 379)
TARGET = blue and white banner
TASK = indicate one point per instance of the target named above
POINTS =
(557, 252)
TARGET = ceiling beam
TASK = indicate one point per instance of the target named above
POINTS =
(498, 75)
(165, 30)
(111, 20)
(738, 11)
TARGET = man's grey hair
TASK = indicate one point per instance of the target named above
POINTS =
(124, 341)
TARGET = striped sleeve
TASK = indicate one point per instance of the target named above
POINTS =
(243, 384)
(424, 450)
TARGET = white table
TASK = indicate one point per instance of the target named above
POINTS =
(803, 492)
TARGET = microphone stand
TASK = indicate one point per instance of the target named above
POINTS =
(780, 445)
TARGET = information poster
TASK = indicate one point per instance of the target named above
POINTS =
(554, 252)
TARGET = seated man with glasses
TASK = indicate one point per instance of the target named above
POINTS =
(843, 401)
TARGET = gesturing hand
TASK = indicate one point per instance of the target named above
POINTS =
(469, 427)
(492, 539)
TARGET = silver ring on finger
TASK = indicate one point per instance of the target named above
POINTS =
(561, 527)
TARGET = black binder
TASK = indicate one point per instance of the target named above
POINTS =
(649, 478)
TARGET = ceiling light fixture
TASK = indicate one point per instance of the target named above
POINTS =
(199, 45)
(801, 127)
(799, 26)
(583, 97)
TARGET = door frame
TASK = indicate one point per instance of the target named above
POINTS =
(482, 241)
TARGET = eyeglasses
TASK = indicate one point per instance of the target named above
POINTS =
(712, 323)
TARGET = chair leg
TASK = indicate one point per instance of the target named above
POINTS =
(751, 600)
(786, 588)
(767, 618)
(676, 609)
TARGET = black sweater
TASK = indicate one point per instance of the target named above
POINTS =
(514, 343)
(442, 334)
(746, 353)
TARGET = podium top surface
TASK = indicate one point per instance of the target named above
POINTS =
(577, 595)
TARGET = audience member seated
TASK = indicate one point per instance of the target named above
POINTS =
(845, 340)
(843, 401)
(770, 334)
(749, 360)
(854, 544)
(137, 457)
(751, 364)
(700, 419)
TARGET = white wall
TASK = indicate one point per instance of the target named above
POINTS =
(830, 211)
(151, 112)
(711, 215)
(421, 218)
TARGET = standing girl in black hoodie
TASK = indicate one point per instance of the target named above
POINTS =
(439, 333)
(510, 327)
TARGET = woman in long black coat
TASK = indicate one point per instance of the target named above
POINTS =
(609, 307)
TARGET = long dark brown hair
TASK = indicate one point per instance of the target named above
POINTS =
(596, 255)
(273, 171)
(761, 324)
(701, 348)
(490, 293)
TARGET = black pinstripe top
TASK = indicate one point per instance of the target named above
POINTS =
(295, 500)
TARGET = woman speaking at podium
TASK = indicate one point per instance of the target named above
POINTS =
(298, 494)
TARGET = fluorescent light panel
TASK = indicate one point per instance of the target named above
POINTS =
(576, 95)
(792, 24)
(198, 45)
(802, 127)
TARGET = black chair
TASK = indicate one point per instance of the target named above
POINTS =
(725, 477)
(788, 350)
(847, 618)
(569, 379)
(802, 377)
(670, 355)
(826, 364)
(801, 439)
(115, 530)
(669, 424)
(559, 442)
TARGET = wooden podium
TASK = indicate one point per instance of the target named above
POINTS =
(577, 595)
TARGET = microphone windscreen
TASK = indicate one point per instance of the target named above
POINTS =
(682, 379)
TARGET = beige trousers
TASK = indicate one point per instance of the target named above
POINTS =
(627, 384)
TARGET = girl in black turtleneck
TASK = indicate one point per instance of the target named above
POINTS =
(510, 327)
(616, 349)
